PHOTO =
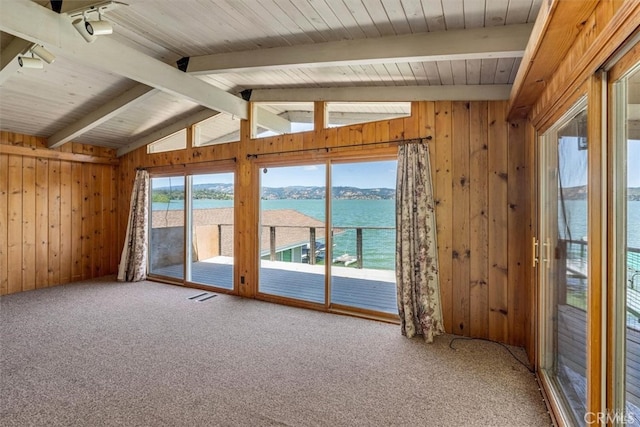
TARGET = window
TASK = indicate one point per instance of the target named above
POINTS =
(349, 113)
(218, 129)
(176, 141)
(282, 118)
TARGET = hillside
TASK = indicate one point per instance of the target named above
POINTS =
(220, 191)
(580, 193)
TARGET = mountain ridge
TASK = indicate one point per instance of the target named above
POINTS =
(225, 191)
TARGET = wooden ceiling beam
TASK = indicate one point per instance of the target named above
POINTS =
(490, 42)
(9, 57)
(556, 28)
(37, 24)
(271, 121)
(104, 113)
(168, 130)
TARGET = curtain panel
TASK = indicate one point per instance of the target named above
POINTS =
(417, 278)
(133, 261)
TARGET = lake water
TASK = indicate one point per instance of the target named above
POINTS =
(379, 245)
(577, 220)
(576, 211)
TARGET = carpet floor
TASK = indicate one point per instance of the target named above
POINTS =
(103, 353)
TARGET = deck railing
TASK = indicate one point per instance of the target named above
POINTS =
(576, 253)
(352, 246)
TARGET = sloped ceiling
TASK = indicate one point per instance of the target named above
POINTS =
(284, 48)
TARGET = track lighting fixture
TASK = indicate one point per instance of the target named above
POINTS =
(87, 25)
(99, 27)
(79, 25)
(36, 63)
(43, 53)
(30, 62)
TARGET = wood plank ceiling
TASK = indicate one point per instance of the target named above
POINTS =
(52, 100)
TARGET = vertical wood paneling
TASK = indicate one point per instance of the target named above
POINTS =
(54, 222)
(14, 235)
(444, 206)
(4, 226)
(426, 128)
(87, 232)
(478, 221)
(396, 130)
(531, 302)
(65, 222)
(411, 124)
(96, 221)
(382, 131)
(42, 223)
(518, 229)
(460, 218)
(498, 247)
(28, 224)
(76, 220)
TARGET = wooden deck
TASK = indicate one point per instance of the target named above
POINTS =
(572, 358)
(366, 293)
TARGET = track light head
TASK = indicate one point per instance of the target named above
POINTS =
(98, 28)
(87, 25)
(32, 63)
(79, 25)
(43, 53)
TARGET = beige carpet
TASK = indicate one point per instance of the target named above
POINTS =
(104, 353)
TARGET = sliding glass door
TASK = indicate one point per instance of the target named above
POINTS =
(363, 222)
(210, 220)
(626, 213)
(292, 232)
(167, 226)
(563, 271)
(194, 212)
(352, 267)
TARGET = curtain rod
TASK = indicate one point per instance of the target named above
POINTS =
(327, 149)
(234, 159)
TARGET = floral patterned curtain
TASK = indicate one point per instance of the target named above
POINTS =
(418, 284)
(133, 262)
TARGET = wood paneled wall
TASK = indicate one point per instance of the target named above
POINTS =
(482, 181)
(58, 211)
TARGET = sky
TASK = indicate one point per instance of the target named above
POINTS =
(633, 163)
(361, 175)
(573, 165)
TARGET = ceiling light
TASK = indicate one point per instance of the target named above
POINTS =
(87, 25)
(43, 53)
(98, 28)
(79, 25)
(33, 63)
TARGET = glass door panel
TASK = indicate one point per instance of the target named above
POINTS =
(564, 272)
(166, 231)
(627, 224)
(292, 232)
(363, 229)
(211, 215)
